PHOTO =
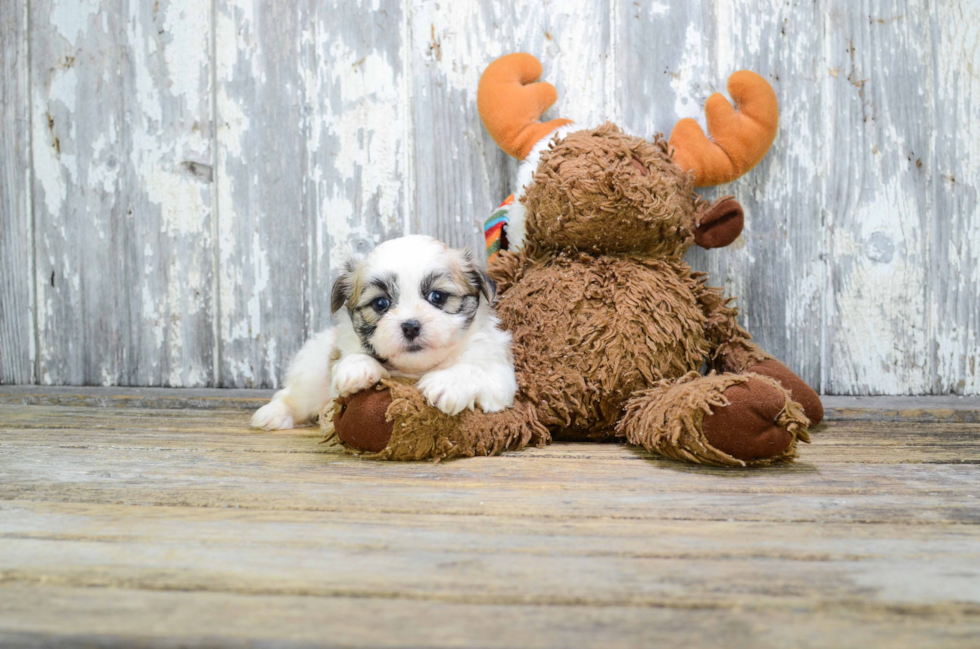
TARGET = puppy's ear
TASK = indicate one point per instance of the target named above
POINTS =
(479, 278)
(343, 288)
(488, 287)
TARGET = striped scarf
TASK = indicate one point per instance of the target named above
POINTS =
(493, 229)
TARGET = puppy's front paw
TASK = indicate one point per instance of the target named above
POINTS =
(495, 400)
(449, 391)
(355, 373)
(274, 415)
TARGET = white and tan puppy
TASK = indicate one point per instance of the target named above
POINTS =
(413, 307)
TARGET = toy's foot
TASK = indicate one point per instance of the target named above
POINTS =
(722, 419)
(747, 427)
(798, 389)
(360, 420)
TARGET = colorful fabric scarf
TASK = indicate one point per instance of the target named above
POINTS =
(493, 229)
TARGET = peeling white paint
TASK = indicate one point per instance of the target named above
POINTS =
(686, 80)
(456, 38)
(724, 22)
(880, 302)
(260, 282)
(181, 202)
(365, 125)
(71, 17)
(188, 51)
(47, 167)
(901, 309)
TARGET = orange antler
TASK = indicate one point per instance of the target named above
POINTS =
(739, 136)
(510, 103)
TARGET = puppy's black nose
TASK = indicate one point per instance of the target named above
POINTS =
(411, 329)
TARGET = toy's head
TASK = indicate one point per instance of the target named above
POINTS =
(603, 191)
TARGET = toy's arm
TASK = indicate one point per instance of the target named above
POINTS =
(733, 350)
(732, 347)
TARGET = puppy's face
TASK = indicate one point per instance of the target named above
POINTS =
(413, 301)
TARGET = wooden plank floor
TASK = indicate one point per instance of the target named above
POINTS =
(158, 518)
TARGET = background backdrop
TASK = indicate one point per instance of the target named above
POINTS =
(179, 179)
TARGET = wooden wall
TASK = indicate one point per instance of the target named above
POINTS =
(180, 179)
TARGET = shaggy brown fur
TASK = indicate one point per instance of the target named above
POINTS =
(667, 419)
(611, 328)
(582, 347)
(602, 191)
(417, 431)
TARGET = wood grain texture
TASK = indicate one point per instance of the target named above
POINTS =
(955, 227)
(877, 197)
(193, 176)
(16, 228)
(361, 140)
(111, 617)
(121, 193)
(313, 167)
(925, 473)
(178, 527)
(264, 66)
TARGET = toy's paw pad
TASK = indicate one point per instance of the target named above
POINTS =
(802, 393)
(361, 423)
(274, 415)
(746, 428)
(448, 391)
(355, 373)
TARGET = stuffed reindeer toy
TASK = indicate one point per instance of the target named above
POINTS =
(612, 331)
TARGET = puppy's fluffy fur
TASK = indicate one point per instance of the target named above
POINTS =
(413, 308)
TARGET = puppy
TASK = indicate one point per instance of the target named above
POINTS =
(413, 308)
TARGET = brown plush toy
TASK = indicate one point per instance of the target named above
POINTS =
(611, 328)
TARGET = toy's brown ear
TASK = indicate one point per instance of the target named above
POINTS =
(720, 224)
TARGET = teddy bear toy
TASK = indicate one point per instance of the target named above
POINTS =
(614, 336)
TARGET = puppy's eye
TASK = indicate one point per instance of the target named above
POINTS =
(437, 297)
(380, 304)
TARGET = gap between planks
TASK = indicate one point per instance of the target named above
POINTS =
(838, 408)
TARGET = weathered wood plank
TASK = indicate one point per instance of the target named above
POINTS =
(589, 563)
(176, 527)
(461, 175)
(343, 124)
(903, 409)
(16, 230)
(313, 166)
(206, 460)
(168, 398)
(360, 142)
(879, 121)
(265, 68)
(33, 616)
(308, 531)
(222, 433)
(858, 442)
(955, 227)
(122, 200)
(854, 441)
